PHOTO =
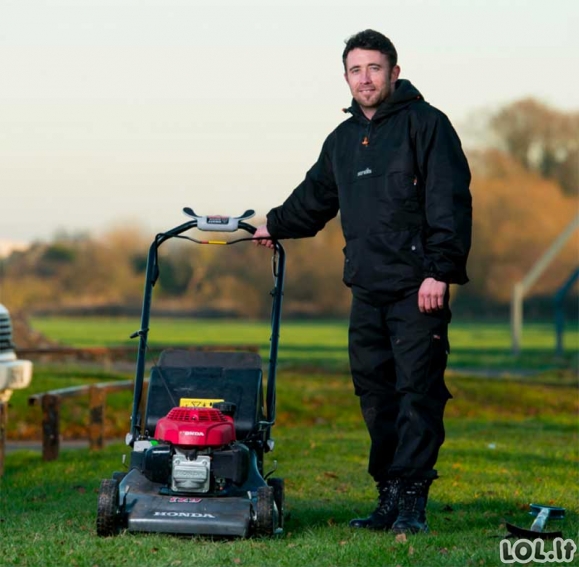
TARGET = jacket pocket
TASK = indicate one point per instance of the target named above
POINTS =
(402, 191)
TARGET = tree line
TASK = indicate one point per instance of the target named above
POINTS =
(525, 190)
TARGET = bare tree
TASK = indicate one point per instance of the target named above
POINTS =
(542, 139)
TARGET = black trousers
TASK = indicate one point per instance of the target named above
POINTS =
(397, 357)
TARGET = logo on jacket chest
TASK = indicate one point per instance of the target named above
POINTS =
(366, 171)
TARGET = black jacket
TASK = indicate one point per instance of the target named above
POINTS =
(401, 183)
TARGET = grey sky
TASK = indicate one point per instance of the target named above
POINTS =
(125, 111)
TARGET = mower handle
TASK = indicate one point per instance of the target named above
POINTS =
(219, 223)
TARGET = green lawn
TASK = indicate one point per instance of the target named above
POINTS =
(480, 345)
(508, 444)
(511, 440)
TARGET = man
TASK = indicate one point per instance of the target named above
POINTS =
(396, 172)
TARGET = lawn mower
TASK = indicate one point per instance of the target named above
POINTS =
(198, 444)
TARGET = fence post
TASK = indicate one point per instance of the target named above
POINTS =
(96, 427)
(50, 427)
(517, 317)
(3, 425)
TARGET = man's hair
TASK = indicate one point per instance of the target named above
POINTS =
(374, 41)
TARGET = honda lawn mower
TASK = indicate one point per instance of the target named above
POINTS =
(197, 448)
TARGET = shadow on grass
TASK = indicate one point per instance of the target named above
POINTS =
(67, 501)
(486, 516)
(530, 358)
(490, 362)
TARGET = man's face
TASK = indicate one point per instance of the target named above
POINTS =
(370, 78)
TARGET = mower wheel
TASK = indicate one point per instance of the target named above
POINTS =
(265, 525)
(118, 476)
(108, 508)
(278, 486)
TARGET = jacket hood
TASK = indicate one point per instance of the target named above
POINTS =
(405, 93)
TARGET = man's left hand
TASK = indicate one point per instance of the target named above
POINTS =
(431, 295)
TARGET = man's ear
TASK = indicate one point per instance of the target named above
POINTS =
(395, 73)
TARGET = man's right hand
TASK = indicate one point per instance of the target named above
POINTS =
(262, 237)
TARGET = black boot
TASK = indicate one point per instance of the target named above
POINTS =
(387, 511)
(412, 506)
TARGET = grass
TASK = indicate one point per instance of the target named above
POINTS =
(474, 397)
(508, 444)
(510, 441)
(475, 345)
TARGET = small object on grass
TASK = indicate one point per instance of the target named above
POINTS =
(542, 514)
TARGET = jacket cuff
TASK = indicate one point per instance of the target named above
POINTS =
(270, 225)
(437, 276)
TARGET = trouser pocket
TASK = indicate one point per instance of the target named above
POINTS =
(420, 360)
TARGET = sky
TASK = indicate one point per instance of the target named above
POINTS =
(119, 113)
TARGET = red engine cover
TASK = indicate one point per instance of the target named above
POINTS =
(200, 427)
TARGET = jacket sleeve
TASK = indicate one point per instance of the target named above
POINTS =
(445, 176)
(311, 205)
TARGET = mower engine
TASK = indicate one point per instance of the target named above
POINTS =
(198, 436)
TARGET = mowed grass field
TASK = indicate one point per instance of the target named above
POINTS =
(474, 344)
(511, 440)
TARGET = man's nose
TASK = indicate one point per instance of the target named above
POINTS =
(365, 76)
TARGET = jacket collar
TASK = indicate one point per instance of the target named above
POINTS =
(405, 93)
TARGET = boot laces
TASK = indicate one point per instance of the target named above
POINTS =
(388, 495)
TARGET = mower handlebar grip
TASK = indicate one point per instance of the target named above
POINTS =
(219, 223)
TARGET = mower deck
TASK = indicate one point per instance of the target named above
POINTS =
(149, 511)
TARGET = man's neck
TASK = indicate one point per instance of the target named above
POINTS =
(369, 111)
